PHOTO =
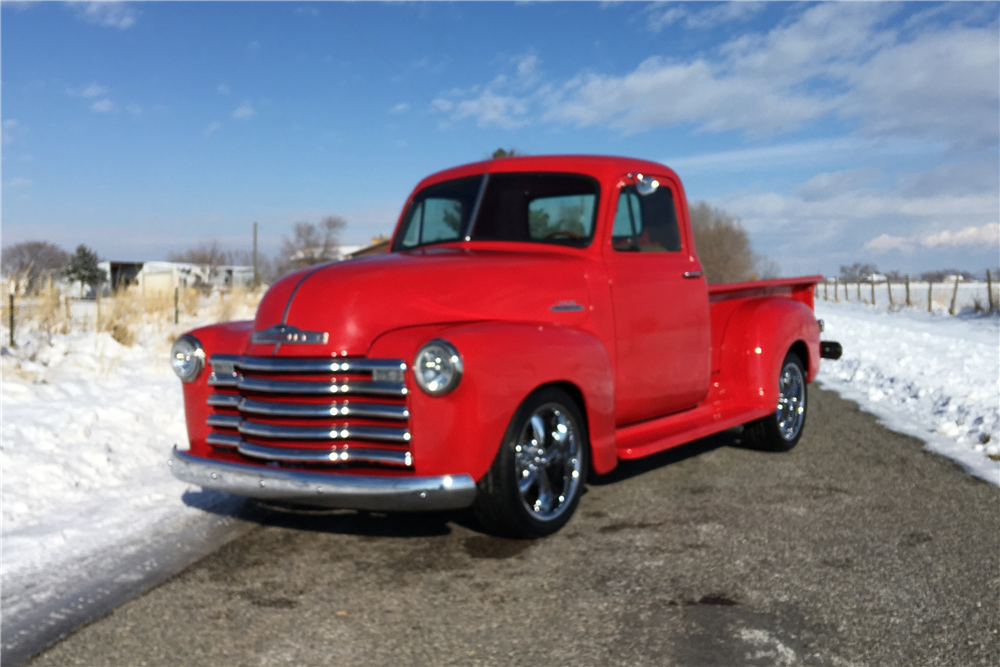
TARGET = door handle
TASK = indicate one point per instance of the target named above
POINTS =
(693, 274)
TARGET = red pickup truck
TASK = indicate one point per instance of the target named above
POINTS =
(537, 320)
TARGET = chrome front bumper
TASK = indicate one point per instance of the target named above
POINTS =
(361, 492)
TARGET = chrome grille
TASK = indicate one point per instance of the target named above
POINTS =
(301, 411)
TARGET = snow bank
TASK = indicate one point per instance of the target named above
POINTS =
(87, 428)
(932, 376)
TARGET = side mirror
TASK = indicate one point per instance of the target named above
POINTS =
(645, 185)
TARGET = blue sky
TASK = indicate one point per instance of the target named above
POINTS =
(836, 132)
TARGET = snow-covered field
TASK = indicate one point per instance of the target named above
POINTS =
(88, 424)
(87, 428)
(932, 376)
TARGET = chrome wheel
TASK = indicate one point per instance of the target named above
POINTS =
(547, 461)
(791, 401)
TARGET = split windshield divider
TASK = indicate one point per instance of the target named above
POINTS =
(471, 225)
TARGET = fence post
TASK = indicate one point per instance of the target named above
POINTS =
(12, 320)
(836, 290)
(954, 295)
(930, 293)
(989, 290)
(888, 284)
(873, 289)
(824, 289)
(97, 320)
(177, 294)
(859, 289)
(908, 304)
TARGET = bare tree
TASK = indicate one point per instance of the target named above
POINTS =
(207, 256)
(312, 243)
(26, 263)
(724, 247)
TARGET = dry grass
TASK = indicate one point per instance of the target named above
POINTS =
(189, 301)
(120, 315)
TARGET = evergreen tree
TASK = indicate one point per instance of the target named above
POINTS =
(83, 267)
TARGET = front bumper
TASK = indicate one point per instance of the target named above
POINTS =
(361, 492)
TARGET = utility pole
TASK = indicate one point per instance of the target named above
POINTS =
(255, 254)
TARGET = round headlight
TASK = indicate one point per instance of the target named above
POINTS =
(438, 367)
(187, 357)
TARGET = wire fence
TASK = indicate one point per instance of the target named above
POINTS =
(954, 296)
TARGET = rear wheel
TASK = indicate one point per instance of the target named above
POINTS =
(537, 477)
(780, 431)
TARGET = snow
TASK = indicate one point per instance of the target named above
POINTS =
(87, 428)
(932, 376)
(88, 424)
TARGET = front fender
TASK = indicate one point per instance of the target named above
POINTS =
(224, 338)
(757, 337)
(504, 362)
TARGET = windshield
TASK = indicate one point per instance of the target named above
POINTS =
(539, 208)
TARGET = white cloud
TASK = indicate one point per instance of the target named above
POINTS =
(832, 184)
(491, 110)
(935, 83)
(245, 111)
(93, 90)
(987, 235)
(222, 89)
(7, 134)
(704, 19)
(212, 127)
(18, 183)
(886, 242)
(109, 14)
(400, 108)
(983, 237)
(103, 106)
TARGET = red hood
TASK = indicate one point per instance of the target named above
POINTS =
(355, 301)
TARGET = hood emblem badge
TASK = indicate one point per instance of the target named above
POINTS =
(570, 306)
(288, 335)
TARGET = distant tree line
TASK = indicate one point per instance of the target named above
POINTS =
(864, 272)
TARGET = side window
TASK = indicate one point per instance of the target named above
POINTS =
(646, 223)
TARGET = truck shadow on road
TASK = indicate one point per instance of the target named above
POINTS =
(420, 524)
(629, 469)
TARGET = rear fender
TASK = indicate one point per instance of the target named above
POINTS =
(503, 363)
(757, 337)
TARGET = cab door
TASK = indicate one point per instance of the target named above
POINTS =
(660, 300)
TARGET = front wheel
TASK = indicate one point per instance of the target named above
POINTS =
(780, 431)
(537, 477)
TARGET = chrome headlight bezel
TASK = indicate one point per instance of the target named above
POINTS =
(187, 357)
(438, 368)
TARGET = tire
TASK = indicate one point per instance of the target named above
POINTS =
(532, 491)
(780, 431)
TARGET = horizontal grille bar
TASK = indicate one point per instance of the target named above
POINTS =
(223, 401)
(224, 421)
(223, 380)
(220, 440)
(307, 410)
(334, 455)
(322, 388)
(347, 432)
(313, 365)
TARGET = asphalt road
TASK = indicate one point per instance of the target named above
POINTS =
(856, 548)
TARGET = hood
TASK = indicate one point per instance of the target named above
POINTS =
(356, 301)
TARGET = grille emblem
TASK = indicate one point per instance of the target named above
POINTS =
(289, 335)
